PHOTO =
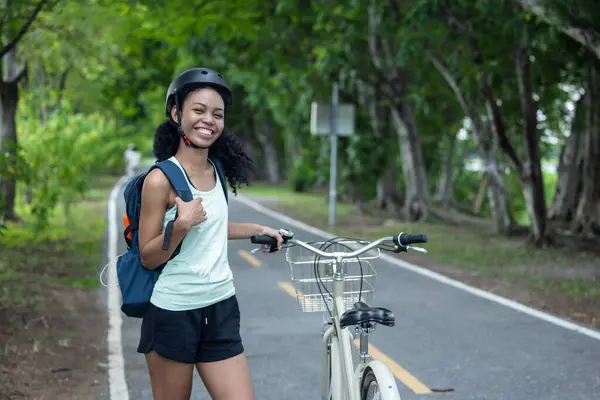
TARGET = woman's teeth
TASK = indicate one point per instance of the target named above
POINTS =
(205, 132)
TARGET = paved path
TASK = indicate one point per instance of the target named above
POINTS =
(444, 338)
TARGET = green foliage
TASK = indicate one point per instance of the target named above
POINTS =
(303, 174)
(61, 155)
(365, 156)
(280, 56)
(465, 186)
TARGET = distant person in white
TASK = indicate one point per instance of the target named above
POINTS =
(132, 159)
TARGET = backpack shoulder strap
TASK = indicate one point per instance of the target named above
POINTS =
(176, 177)
(221, 174)
(181, 187)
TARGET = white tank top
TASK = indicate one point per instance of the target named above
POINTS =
(200, 274)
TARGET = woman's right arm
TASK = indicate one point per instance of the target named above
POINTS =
(155, 200)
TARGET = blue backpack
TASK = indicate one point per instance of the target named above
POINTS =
(136, 281)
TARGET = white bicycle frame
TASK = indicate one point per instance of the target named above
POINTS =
(339, 374)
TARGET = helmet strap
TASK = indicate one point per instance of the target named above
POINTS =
(188, 141)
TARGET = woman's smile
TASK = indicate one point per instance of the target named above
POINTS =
(205, 132)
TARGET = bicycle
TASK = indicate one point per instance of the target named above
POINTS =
(341, 380)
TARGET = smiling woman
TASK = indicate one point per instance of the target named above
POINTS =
(193, 318)
(200, 98)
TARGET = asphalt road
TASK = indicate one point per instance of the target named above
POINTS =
(444, 338)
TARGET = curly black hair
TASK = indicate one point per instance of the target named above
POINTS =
(227, 148)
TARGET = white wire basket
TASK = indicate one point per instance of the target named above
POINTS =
(312, 275)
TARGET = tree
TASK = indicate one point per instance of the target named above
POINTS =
(578, 191)
(17, 20)
(575, 21)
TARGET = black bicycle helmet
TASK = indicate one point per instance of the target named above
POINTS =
(196, 77)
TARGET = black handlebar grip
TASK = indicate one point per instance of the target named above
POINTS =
(405, 239)
(263, 239)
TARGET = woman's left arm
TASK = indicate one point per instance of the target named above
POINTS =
(240, 230)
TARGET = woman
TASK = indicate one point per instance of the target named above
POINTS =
(193, 318)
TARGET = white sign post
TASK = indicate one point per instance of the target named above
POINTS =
(332, 120)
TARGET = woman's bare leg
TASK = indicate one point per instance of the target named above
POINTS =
(228, 379)
(171, 380)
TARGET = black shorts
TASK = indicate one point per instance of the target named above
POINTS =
(202, 335)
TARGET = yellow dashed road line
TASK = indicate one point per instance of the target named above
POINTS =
(255, 262)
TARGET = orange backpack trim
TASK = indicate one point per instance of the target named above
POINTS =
(126, 224)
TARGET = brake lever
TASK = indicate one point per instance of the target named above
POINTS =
(414, 248)
(269, 248)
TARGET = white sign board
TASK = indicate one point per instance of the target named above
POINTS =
(319, 119)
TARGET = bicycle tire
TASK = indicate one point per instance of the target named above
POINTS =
(370, 386)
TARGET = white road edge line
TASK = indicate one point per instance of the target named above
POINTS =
(116, 362)
(433, 275)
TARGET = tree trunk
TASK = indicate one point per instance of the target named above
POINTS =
(382, 49)
(9, 99)
(444, 195)
(245, 136)
(570, 167)
(266, 138)
(292, 146)
(496, 191)
(387, 191)
(8, 145)
(531, 175)
(478, 199)
(245, 133)
(386, 197)
(587, 216)
(576, 202)
(416, 200)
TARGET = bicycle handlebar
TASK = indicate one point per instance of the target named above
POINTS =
(402, 243)
(405, 239)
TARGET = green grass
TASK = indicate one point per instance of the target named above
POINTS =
(65, 254)
(468, 248)
(315, 205)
